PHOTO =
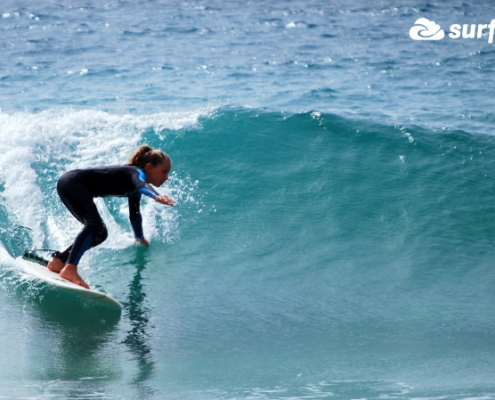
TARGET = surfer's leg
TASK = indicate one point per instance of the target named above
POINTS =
(93, 233)
(80, 203)
(64, 189)
(84, 240)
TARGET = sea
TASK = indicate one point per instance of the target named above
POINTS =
(333, 234)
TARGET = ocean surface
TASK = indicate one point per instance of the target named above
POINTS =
(334, 229)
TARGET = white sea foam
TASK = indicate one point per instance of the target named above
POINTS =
(65, 139)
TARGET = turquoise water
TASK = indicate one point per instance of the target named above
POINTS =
(333, 230)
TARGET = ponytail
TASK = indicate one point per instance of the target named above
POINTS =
(145, 154)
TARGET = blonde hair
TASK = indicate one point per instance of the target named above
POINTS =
(145, 154)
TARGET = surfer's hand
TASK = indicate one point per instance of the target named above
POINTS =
(164, 200)
(144, 242)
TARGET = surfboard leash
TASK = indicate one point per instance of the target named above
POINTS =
(30, 255)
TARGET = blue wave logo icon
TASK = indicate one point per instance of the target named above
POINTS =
(424, 29)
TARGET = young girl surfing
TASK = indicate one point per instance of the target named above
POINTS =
(78, 188)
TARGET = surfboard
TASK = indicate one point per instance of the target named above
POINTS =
(42, 273)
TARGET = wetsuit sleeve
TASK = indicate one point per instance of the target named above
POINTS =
(148, 191)
(135, 217)
(139, 181)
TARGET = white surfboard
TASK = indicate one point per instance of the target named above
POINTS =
(44, 274)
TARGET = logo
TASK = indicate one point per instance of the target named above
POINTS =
(424, 29)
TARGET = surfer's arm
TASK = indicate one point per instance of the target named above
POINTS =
(143, 187)
(135, 217)
(149, 191)
(160, 198)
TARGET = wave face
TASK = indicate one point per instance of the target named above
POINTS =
(333, 229)
(307, 240)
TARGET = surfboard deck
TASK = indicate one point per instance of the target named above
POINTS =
(44, 274)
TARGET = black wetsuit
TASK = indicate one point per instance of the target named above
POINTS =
(78, 188)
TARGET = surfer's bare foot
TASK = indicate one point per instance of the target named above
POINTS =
(69, 272)
(56, 265)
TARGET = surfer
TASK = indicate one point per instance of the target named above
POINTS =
(78, 188)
